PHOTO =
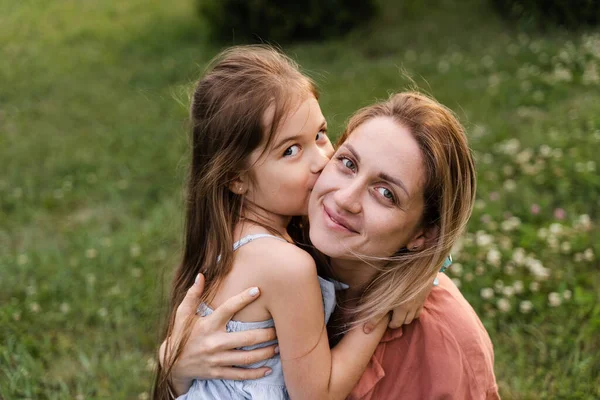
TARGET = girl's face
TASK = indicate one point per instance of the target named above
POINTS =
(369, 198)
(283, 178)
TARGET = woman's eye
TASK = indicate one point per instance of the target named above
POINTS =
(387, 193)
(348, 163)
(291, 151)
(321, 135)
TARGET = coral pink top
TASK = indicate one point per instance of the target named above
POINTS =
(445, 354)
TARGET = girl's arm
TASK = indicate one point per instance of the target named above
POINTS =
(293, 297)
(210, 351)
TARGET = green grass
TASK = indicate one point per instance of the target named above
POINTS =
(93, 155)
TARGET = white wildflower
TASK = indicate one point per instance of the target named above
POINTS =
(526, 306)
(518, 286)
(554, 299)
(534, 286)
(567, 294)
(91, 253)
(494, 257)
(508, 291)
(486, 293)
(503, 305)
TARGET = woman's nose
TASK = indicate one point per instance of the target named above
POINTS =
(348, 197)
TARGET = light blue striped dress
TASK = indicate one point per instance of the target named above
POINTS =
(270, 387)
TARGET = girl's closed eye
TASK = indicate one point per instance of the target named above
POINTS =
(291, 151)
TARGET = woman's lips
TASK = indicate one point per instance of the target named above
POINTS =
(336, 221)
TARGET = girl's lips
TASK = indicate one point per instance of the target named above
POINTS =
(336, 221)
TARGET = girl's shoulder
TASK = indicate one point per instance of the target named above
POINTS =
(273, 259)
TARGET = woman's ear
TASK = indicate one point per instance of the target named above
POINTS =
(423, 238)
(239, 185)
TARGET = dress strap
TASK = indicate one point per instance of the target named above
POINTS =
(248, 238)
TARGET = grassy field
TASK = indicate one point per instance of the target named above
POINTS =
(93, 153)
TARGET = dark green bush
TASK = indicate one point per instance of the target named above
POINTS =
(571, 14)
(282, 21)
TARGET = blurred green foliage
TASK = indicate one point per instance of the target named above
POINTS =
(573, 14)
(277, 21)
(93, 154)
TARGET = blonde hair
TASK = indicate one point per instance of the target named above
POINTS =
(449, 194)
(227, 113)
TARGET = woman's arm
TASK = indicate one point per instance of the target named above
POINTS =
(209, 352)
(312, 371)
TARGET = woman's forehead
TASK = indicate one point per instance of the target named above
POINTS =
(385, 147)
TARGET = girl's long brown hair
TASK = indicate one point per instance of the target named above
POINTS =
(229, 105)
(449, 195)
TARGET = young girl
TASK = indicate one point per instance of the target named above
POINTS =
(259, 144)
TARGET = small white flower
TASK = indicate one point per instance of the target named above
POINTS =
(554, 299)
(22, 259)
(526, 306)
(494, 257)
(534, 286)
(588, 255)
(565, 247)
(103, 312)
(35, 307)
(486, 293)
(503, 305)
(65, 308)
(518, 286)
(498, 286)
(545, 150)
(91, 253)
(518, 256)
(456, 269)
(469, 276)
(508, 291)
(567, 294)
(135, 250)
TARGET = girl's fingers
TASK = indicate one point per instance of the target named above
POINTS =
(188, 305)
(410, 316)
(239, 374)
(231, 306)
(246, 357)
(398, 319)
(372, 323)
(235, 340)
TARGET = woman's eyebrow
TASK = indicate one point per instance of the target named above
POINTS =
(352, 150)
(397, 182)
(382, 175)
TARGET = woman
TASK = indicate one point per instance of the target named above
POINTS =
(385, 212)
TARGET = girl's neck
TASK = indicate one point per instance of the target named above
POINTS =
(254, 221)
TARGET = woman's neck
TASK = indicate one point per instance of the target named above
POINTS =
(354, 273)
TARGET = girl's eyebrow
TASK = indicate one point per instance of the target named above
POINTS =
(298, 136)
(382, 175)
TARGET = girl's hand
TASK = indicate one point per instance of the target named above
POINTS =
(210, 351)
(404, 314)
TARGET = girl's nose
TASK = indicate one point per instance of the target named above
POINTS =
(321, 158)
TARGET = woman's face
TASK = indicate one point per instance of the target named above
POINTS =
(369, 198)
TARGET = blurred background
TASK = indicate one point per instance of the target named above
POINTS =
(93, 154)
